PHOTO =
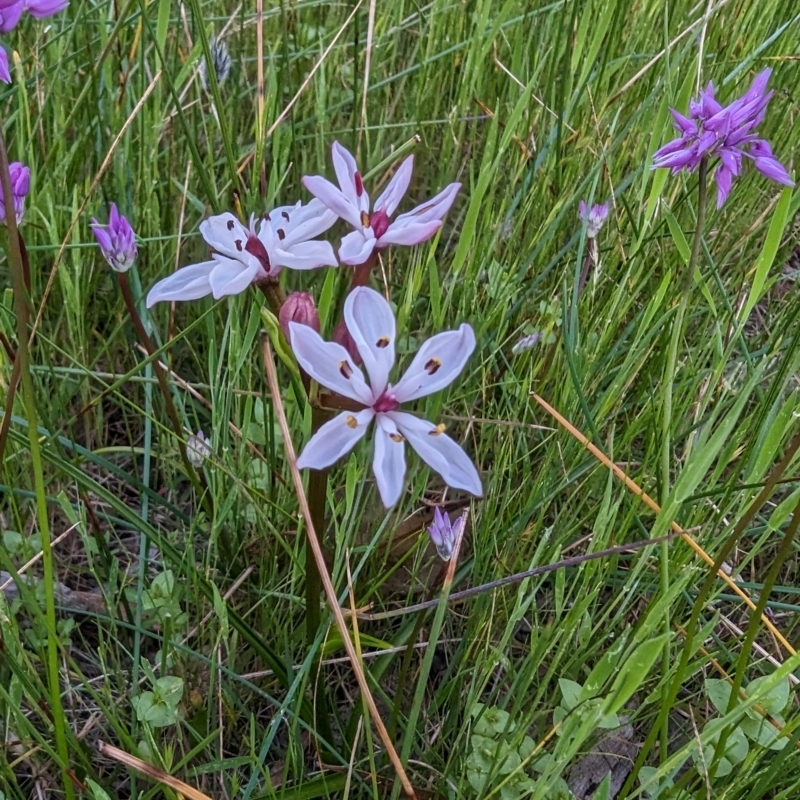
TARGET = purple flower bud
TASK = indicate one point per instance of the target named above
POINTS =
(45, 8)
(342, 336)
(594, 217)
(444, 533)
(20, 186)
(117, 241)
(5, 75)
(298, 307)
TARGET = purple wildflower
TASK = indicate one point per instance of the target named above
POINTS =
(726, 132)
(594, 217)
(444, 533)
(20, 186)
(116, 240)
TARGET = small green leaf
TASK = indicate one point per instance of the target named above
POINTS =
(774, 701)
(572, 693)
(719, 693)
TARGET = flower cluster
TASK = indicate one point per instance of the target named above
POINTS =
(10, 14)
(286, 238)
(594, 218)
(116, 240)
(725, 132)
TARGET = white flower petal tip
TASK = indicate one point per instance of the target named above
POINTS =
(371, 324)
(188, 283)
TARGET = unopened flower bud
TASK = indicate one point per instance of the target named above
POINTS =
(594, 217)
(116, 240)
(20, 186)
(444, 533)
(298, 307)
(342, 336)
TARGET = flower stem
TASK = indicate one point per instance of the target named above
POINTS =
(317, 491)
(362, 272)
(196, 477)
(18, 274)
(666, 422)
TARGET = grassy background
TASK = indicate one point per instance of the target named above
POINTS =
(532, 106)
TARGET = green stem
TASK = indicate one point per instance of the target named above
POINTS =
(666, 421)
(195, 476)
(21, 307)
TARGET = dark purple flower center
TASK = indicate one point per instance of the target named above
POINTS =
(384, 403)
(379, 222)
(256, 248)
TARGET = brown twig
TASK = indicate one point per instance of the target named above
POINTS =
(639, 492)
(327, 584)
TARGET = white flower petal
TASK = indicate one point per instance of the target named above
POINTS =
(188, 283)
(329, 364)
(437, 364)
(439, 452)
(230, 277)
(371, 323)
(335, 438)
(396, 189)
(408, 233)
(357, 247)
(333, 198)
(389, 461)
(346, 169)
(307, 222)
(435, 208)
(221, 232)
(305, 255)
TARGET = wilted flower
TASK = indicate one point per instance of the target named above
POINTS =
(20, 186)
(245, 255)
(198, 449)
(298, 307)
(444, 533)
(373, 230)
(594, 217)
(438, 362)
(220, 60)
(117, 240)
(727, 132)
(526, 343)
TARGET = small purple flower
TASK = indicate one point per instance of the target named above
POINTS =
(5, 74)
(20, 186)
(444, 533)
(45, 8)
(526, 343)
(117, 241)
(594, 218)
(437, 364)
(198, 449)
(350, 201)
(725, 132)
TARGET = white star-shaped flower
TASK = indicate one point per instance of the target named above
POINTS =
(437, 364)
